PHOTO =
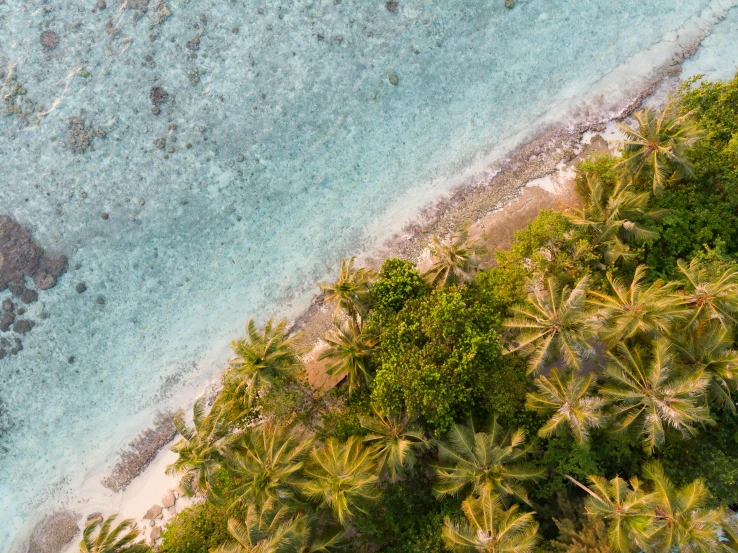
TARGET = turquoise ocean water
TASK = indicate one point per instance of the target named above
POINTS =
(282, 141)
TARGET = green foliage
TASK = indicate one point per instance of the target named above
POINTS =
(342, 419)
(197, 529)
(436, 357)
(398, 282)
(560, 455)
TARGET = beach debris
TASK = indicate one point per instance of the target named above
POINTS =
(54, 532)
(168, 499)
(153, 512)
(392, 6)
(393, 79)
(81, 287)
(21, 257)
(49, 40)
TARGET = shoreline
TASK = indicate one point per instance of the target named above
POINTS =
(486, 194)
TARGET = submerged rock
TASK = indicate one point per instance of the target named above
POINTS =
(392, 5)
(157, 95)
(8, 305)
(54, 532)
(23, 326)
(49, 40)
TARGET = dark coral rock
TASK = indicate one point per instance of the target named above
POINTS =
(7, 321)
(81, 287)
(8, 305)
(49, 40)
(16, 289)
(29, 296)
(392, 5)
(157, 95)
(23, 326)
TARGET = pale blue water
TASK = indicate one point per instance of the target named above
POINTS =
(198, 242)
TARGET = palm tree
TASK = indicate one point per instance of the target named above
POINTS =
(342, 477)
(636, 310)
(98, 537)
(454, 261)
(350, 292)
(680, 519)
(553, 323)
(708, 298)
(351, 349)
(624, 507)
(396, 442)
(490, 528)
(267, 465)
(263, 357)
(650, 394)
(277, 530)
(709, 349)
(658, 145)
(483, 460)
(569, 402)
(612, 217)
(202, 447)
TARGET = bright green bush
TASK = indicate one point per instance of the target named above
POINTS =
(399, 281)
(436, 357)
(196, 529)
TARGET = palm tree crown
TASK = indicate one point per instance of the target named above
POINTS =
(454, 261)
(490, 528)
(99, 537)
(637, 310)
(707, 298)
(483, 460)
(650, 394)
(342, 477)
(263, 356)
(202, 447)
(612, 217)
(396, 442)
(350, 291)
(552, 324)
(350, 349)
(567, 398)
(658, 145)
(267, 464)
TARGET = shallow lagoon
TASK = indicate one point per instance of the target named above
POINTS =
(299, 144)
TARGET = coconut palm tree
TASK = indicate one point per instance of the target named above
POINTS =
(490, 528)
(350, 292)
(612, 217)
(636, 310)
(277, 530)
(100, 537)
(712, 299)
(568, 399)
(680, 520)
(267, 465)
(396, 442)
(350, 350)
(658, 145)
(624, 507)
(262, 357)
(341, 476)
(709, 349)
(202, 447)
(650, 394)
(553, 324)
(494, 460)
(454, 261)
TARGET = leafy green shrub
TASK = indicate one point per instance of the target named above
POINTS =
(436, 357)
(197, 529)
(399, 281)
